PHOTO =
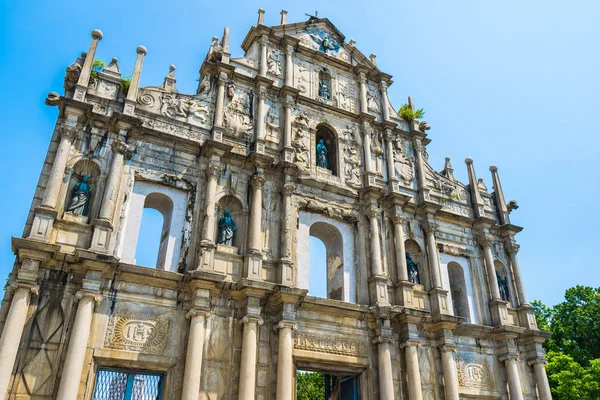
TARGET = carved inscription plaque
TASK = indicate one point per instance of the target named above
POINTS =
(327, 345)
(134, 334)
(474, 373)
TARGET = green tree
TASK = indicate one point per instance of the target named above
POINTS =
(310, 385)
(569, 380)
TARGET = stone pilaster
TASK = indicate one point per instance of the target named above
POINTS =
(287, 277)
(413, 373)
(498, 307)
(449, 370)
(194, 353)
(393, 182)
(512, 374)
(285, 362)
(423, 189)
(254, 258)
(384, 101)
(103, 226)
(288, 151)
(289, 65)
(541, 378)
(378, 283)
(86, 70)
(80, 333)
(208, 228)
(384, 360)
(14, 325)
(247, 384)
(217, 134)
(438, 296)
(362, 80)
(263, 65)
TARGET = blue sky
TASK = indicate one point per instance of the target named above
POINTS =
(511, 83)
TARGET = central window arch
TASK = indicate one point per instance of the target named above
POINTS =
(333, 270)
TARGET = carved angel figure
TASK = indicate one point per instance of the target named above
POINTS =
(352, 166)
(300, 148)
(204, 85)
(372, 101)
(402, 164)
(215, 53)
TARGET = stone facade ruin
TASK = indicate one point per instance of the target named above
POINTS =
(425, 298)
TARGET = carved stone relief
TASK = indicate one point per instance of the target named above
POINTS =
(373, 101)
(347, 93)
(474, 373)
(328, 345)
(136, 334)
(272, 123)
(303, 76)
(403, 165)
(238, 113)
(352, 161)
(274, 62)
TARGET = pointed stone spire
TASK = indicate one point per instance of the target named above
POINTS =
(283, 17)
(135, 81)
(448, 171)
(113, 68)
(499, 197)
(261, 17)
(411, 104)
(481, 184)
(475, 195)
(225, 45)
(86, 70)
(169, 83)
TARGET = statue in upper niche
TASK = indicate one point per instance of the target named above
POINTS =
(227, 229)
(413, 270)
(324, 89)
(503, 287)
(322, 154)
(81, 197)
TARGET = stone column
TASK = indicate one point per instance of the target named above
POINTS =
(285, 362)
(264, 44)
(376, 267)
(401, 267)
(108, 200)
(386, 383)
(367, 146)
(260, 111)
(131, 99)
(255, 239)
(514, 381)
(80, 333)
(86, 69)
(512, 248)
(384, 101)
(57, 173)
(287, 272)
(194, 354)
(434, 260)
(289, 65)
(449, 371)
(362, 80)
(248, 359)
(418, 151)
(219, 106)
(13, 330)
(208, 228)
(486, 241)
(390, 156)
(287, 131)
(413, 374)
(541, 379)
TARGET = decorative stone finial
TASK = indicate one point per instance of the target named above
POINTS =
(352, 42)
(261, 17)
(283, 17)
(373, 59)
(468, 160)
(493, 168)
(171, 69)
(141, 50)
(97, 34)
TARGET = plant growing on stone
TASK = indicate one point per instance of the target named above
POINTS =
(408, 114)
(125, 83)
(97, 66)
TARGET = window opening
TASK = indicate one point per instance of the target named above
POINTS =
(317, 285)
(458, 290)
(114, 384)
(148, 245)
(316, 385)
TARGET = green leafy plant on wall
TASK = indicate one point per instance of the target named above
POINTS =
(97, 66)
(408, 114)
(125, 83)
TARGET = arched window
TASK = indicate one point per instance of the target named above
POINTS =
(318, 265)
(327, 158)
(458, 290)
(171, 204)
(148, 245)
(334, 256)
